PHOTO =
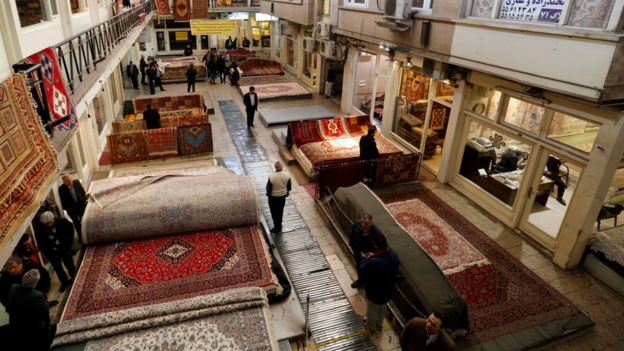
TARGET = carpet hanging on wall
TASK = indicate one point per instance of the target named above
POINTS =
(140, 272)
(200, 9)
(27, 160)
(181, 10)
(163, 7)
(59, 102)
(504, 296)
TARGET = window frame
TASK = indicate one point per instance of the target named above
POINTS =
(426, 6)
(352, 3)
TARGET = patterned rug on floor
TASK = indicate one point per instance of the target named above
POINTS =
(278, 90)
(128, 274)
(503, 295)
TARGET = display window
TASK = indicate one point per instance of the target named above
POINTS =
(30, 12)
(573, 131)
(523, 115)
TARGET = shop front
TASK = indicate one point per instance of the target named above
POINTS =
(370, 73)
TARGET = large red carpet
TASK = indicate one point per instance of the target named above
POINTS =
(503, 295)
(128, 274)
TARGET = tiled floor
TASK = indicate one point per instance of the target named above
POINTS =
(601, 303)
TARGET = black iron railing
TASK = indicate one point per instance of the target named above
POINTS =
(80, 54)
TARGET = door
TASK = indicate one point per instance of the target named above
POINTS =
(553, 182)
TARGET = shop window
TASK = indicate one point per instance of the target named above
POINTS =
(524, 115)
(445, 91)
(495, 162)
(74, 5)
(30, 12)
(204, 42)
(484, 102)
(358, 3)
(573, 131)
(80, 148)
(307, 64)
(590, 13)
(422, 4)
(290, 52)
(100, 118)
(255, 3)
(482, 8)
(180, 39)
(160, 41)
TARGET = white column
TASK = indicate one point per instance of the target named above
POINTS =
(393, 84)
(65, 14)
(453, 139)
(9, 29)
(589, 194)
(348, 78)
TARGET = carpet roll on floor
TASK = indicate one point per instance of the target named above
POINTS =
(135, 207)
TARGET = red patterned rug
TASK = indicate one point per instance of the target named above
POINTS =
(195, 140)
(181, 10)
(503, 295)
(143, 272)
(310, 131)
(162, 142)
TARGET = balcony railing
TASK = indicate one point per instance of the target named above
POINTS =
(80, 54)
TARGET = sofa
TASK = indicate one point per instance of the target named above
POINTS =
(410, 129)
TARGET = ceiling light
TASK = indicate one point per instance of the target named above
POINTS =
(409, 62)
(381, 46)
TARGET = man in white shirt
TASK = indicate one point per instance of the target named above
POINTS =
(278, 188)
(251, 105)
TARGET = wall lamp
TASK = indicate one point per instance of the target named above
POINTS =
(409, 62)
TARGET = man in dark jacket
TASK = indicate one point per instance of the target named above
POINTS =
(191, 75)
(188, 51)
(361, 242)
(369, 152)
(133, 73)
(228, 43)
(29, 315)
(378, 269)
(422, 334)
(74, 200)
(142, 67)
(251, 105)
(221, 68)
(12, 273)
(151, 77)
(151, 117)
(246, 42)
(55, 237)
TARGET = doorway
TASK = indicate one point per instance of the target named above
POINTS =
(371, 76)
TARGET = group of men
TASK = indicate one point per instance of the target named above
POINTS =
(149, 70)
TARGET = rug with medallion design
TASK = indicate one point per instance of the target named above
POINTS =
(508, 304)
(141, 272)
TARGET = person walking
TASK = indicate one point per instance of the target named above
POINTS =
(251, 105)
(191, 75)
(55, 237)
(142, 68)
(378, 269)
(133, 73)
(29, 315)
(234, 74)
(158, 81)
(361, 241)
(228, 43)
(151, 77)
(74, 200)
(329, 82)
(278, 188)
(221, 68)
(368, 153)
(212, 69)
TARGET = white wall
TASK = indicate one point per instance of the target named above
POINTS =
(81, 21)
(5, 66)
(35, 38)
(568, 64)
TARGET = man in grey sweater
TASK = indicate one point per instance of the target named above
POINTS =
(278, 187)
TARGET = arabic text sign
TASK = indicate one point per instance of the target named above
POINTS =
(532, 10)
(208, 27)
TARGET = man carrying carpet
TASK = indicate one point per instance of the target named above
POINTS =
(278, 188)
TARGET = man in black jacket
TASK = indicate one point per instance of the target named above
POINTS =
(12, 273)
(29, 315)
(188, 51)
(191, 75)
(151, 117)
(378, 269)
(369, 152)
(251, 105)
(142, 67)
(74, 200)
(55, 237)
(361, 242)
(133, 73)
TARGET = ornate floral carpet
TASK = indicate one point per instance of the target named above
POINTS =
(259, 80)
(259, 67)
(277, 90)
(162, 142)
(27, 161)
(195, 140)
(237, 319)
(121, 275)
(344, 149)
(127, 147)
(172, 168)
(504, 296)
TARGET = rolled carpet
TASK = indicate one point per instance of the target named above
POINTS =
(143, 206)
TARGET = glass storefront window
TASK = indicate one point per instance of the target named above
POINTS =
(495, 162)
(290, 52)
(75, 6)
(445, 91)
(180, 39)
(484, 101)
(573, 131)
(524, 115)
(30, 12)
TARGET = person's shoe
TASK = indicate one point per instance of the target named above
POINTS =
(52, 303)
(561, 201)
(357, 284)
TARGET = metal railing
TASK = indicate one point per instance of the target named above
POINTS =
(80, 54)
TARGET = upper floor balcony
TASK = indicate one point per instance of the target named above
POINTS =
(296, 11)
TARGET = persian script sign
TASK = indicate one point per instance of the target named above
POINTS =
(208, 27)
(181, 36)
(532, 10)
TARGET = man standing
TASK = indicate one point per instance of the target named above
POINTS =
(74, 200)
(133, 73)
(246, 42)
(143, 67)
(191, 74)
(369, 152)
(29, 314)
(552, 167)
(278, 188)
(228, 43)
(361, 242)
(55, 237)
(251, 105)
(378, 270)
(158, 79)
(426, 334)
(188, 51)
(12, 273)
(221, 68)
(151, 77)
(329, 82)
(151, 117)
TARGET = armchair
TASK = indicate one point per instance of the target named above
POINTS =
(410, 129)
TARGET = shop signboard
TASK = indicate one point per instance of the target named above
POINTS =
(181, 36)
(208, 27)
(532, 10)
